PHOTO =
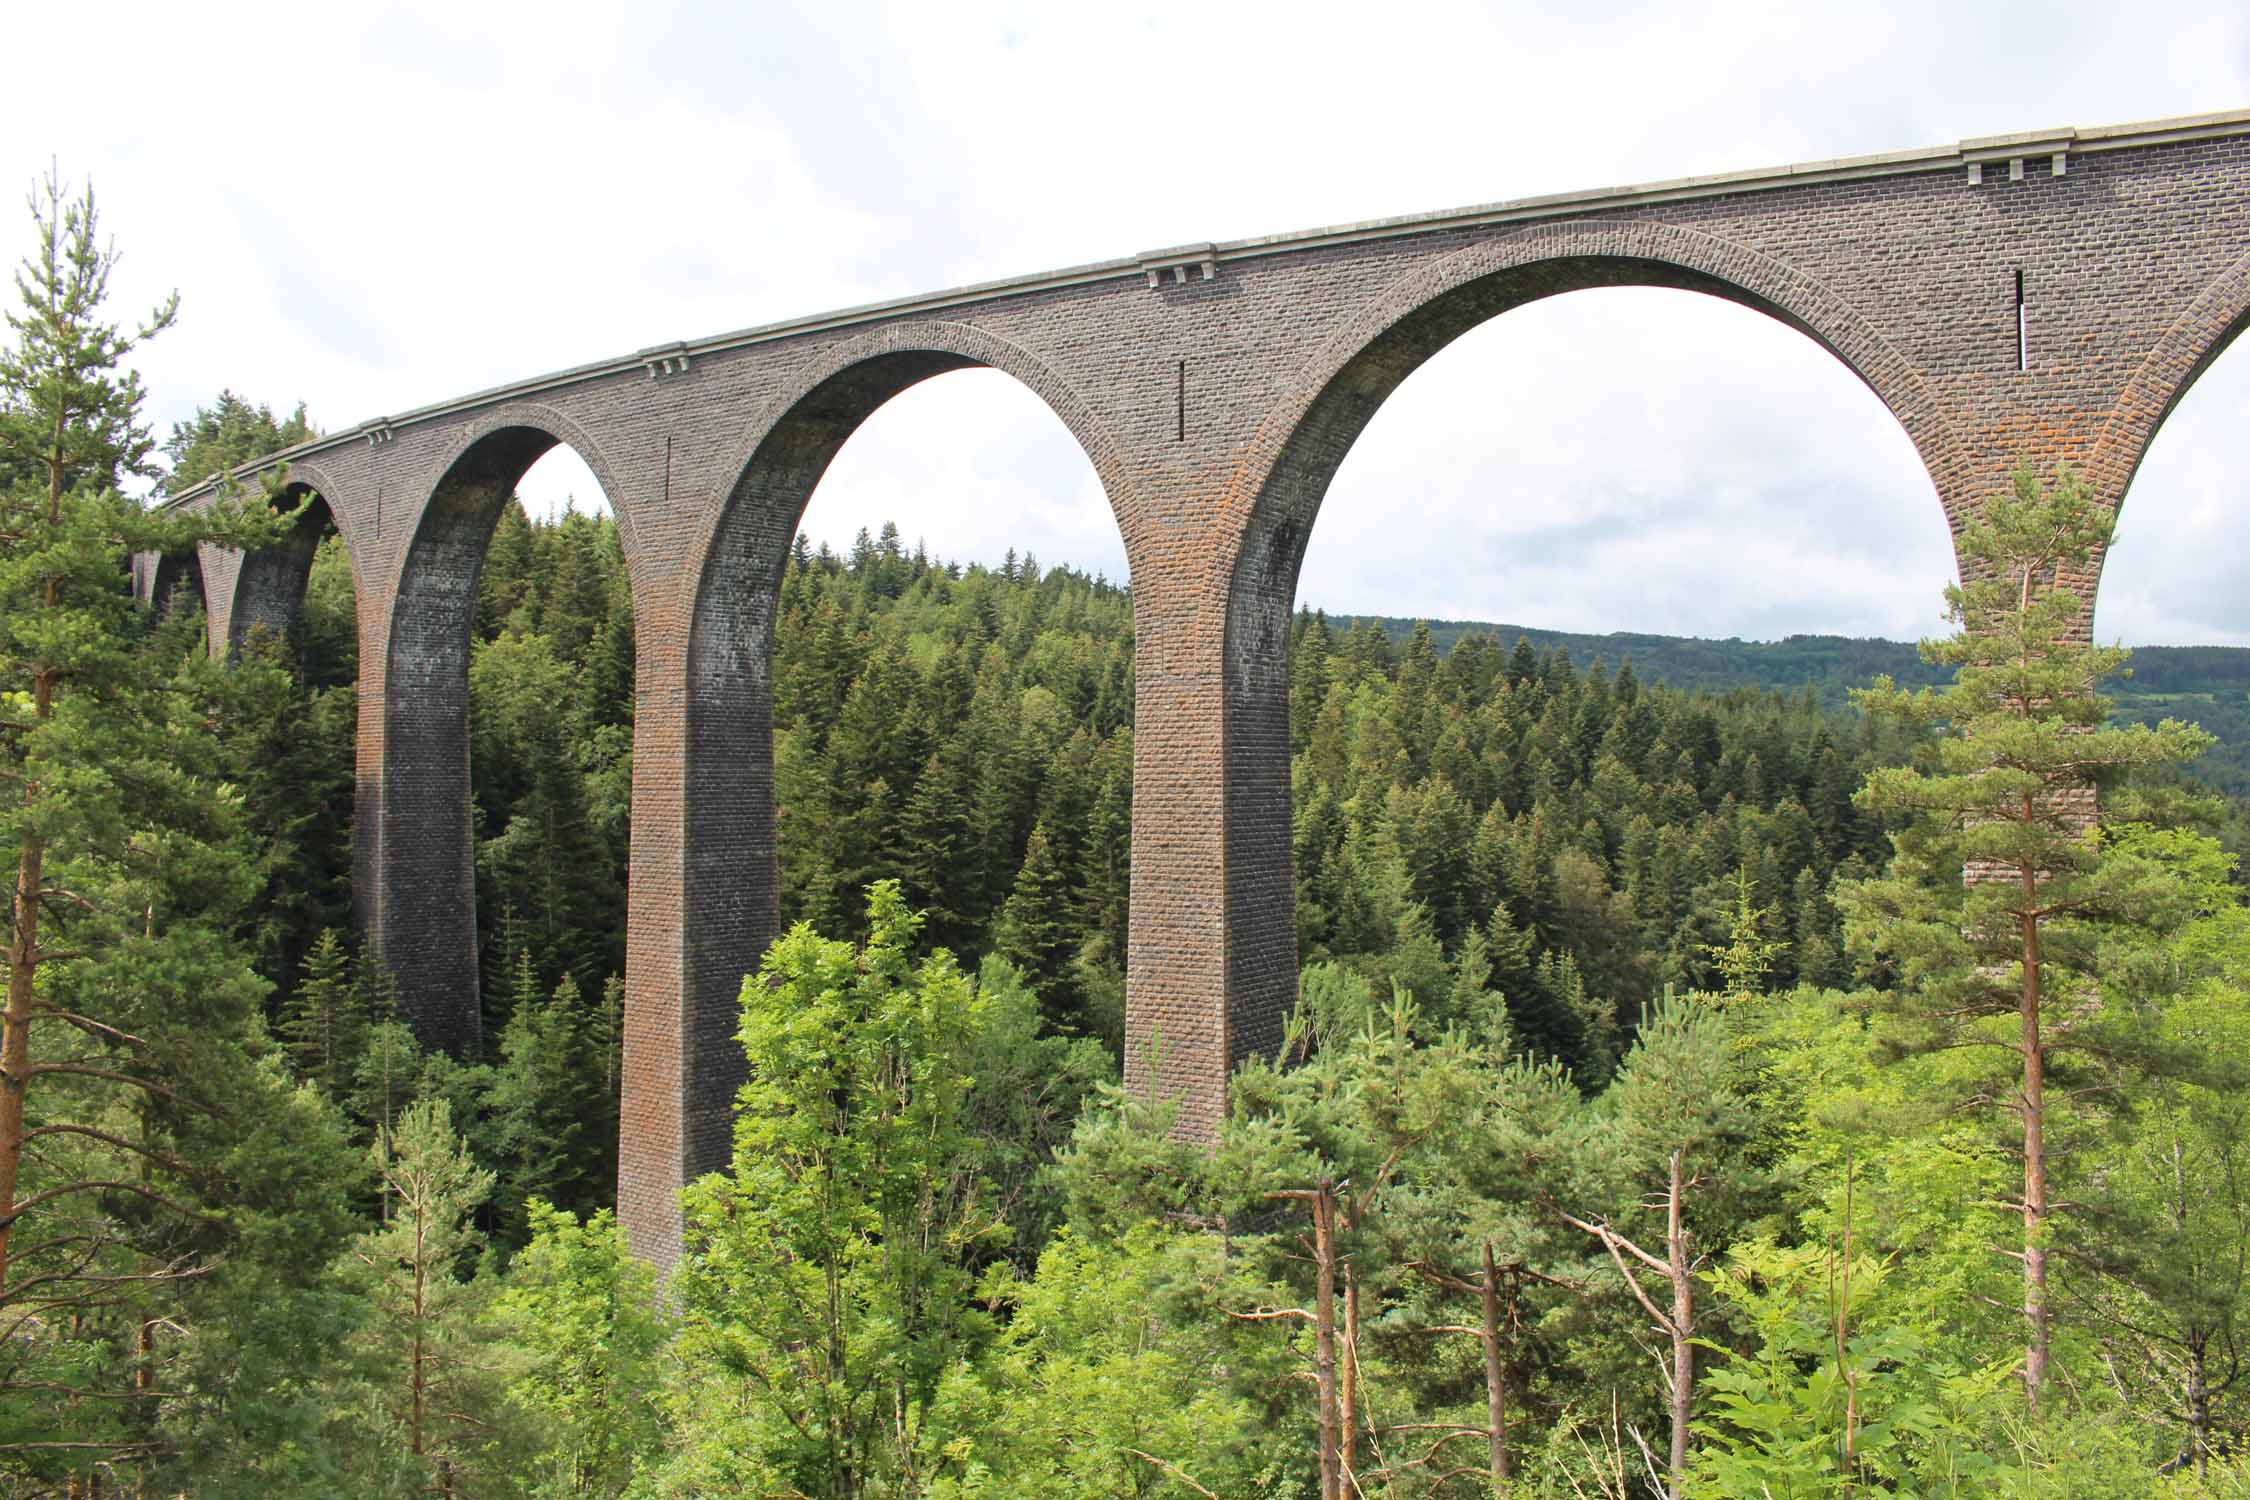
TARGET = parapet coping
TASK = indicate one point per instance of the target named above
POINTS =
(1205, 257)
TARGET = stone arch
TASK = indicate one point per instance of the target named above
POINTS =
(169, 572)
(797, 433)
(1268, 512)
(729, 900)
(421, 905)
(2188, 348)
(1300, 445)
(269, 584)
(345, 513)
(264, 588)
(502, 444)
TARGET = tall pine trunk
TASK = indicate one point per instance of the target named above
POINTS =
(1324, 1342)
(1677, 1267)
(1347, 1393)
(2034, 1156)
(1683, 1326)
(15, 1035)
(23, 933)
(1495, 1377)
(2198, 1407)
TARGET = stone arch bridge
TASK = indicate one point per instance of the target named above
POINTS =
(2045, 296)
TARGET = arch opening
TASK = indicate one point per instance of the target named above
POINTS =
(867, 703)
(272, 585)
(2172, 575)
(1562, 462)
(177, 584)
(505, 763)
(560, 483)
(2170, 583)
(772, 625)
(1634, 432)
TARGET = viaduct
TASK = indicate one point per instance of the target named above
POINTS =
(2045, 296)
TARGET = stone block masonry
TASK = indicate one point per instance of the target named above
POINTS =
(2045, 297)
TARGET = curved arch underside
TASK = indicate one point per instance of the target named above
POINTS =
(2182, 570)
(426, 924)
(731, 882)
(174, 572)
(269, 584)
(1401, 331)
(2189, 347)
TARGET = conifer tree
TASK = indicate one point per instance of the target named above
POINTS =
(292, 748)
(1679, 1100)
(542, 1105)
(324, 1023)
(1032, 931)
(2008, 957)
(132, 1059)
(414, 1267)
(387, 1074)
(229, 432)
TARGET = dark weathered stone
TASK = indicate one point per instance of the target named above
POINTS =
(1215, 389)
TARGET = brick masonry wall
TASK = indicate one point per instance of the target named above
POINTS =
(1215, 410)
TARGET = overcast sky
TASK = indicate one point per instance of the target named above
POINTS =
(370, 207)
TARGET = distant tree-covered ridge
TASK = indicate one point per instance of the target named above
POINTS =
(2207, 685)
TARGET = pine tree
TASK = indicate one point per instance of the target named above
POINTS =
(508, 576)
(413, 1268)
(1679, 1100)
(132, 1056)
(542, 1103)
(2008, 956)
(292, 751)
(228, 432)
(387, 1074)
(324, 1023)
(1747, 956)
(1033, 927)
(1320, 1148)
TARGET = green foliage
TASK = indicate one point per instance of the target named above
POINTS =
(1599, 835)
(1748, 953)
(825, 1287)
(1687, 1086)
(1102, 1383)
(1031, 1085)
(288, 741)
(157, 1170)
(432, 1394)
(589, 1317)
(1824, 1403)
(545, 1117)
(227, 433)
(324, 1023)
(2159, 1272)
(2206, 685)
